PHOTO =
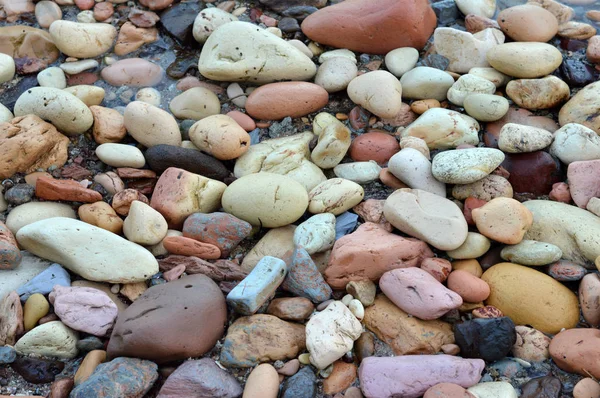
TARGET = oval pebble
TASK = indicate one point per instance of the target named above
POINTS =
(531, 252)
(335, 196)
(359, 172)
(120, 155)
(486, 107)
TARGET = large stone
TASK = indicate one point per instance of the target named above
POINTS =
(27, 143)
(32, 49)
(177, 320)
(575, 231)
(241, 51)
(575, 142)
(465, 50)
(404, 24)
(409, 376)
(550, 305)
(576, 351)
(125, 377)
(261, 338)
(406, 334)
(201, 377)
(583, 108)
(369, 252)
(82, 40)
(465, 166)
(92, 252)
(52, 339)
(525, 60)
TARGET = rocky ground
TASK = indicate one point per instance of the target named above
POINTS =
(299, 198)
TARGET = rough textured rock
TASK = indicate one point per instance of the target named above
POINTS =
(220, 229)
(575, 350)
(261, 338)
(488, 339)
(30, 144)
(304, 279)
(301, 385)
(177, 320)
(11, 318)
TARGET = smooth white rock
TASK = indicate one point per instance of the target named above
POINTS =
(341, 52)
(424, 82)
(150, 125)
(518, 138)
(299, 45)
(7, 68)
(149, 95)
(75, 67)
(482, 8)
(469, 84)
(575, 142)
(336, 73)
(498, 78)
(30, 267)
(486, 107)
(144, 225)
(52, 77)
(495, 389)
(414, 169)
(82, 40)
(88, 94)
(379, 92)
(120, 155)
(30, 212)
(5, 114)
(443, 128)
(359, 172)
(208, 20)
(401, 60)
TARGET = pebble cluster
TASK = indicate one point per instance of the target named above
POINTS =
(299, 198)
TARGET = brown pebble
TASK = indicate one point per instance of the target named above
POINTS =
(122, 200)
(387, 178)
(68, 190)
(89, 364)
(61, 388)
(275, 101)
(103, 11)
(290, 368)
(128, 172)
(245, 121)
(365, 346)
(342, 377)
(191, 247)
(450, 349)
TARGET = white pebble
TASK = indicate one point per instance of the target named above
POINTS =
(347, 299)
(149, 95)
(73, 68)
(357, 309)
(7, 68)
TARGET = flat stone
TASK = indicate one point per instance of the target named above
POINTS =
(42, 283)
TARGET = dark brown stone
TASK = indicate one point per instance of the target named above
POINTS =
(542, 387)
(533, 172)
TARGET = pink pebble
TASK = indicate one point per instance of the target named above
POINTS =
(243, 120)
(584, 181)
(560, 192)
(174, 273)
(267, 20)
(85, 4)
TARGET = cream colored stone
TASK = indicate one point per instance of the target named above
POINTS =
(335, 196)
(144, 225)
(379, 92)
(503, 219)
(442, 129)
(220, 136)
(195, 103)
(30, 212)
(149, 95)
(336, 73)
(5, 114)
(486, 107)
(150, 125)
(359, 172)
(82, 40)
(276, 243)
(465, 166)
(120, 155)
(465, 50)
(401, 60)
(75, 67)
(341, 52)
(317, 234)
(52, 77)
(89, 95)
(424, 82)
(518, 138)
(7, 68)
(498, 78)
(334, 141)
(525, 60)
(52, 339)
(575, 142)
(482, 8)
(412, 168)
(488, 188)
(476, 245)
(467, 85)
(208, 20)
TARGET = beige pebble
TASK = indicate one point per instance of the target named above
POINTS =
(335, 196)
(101, 215)
(379, 92)
(220, 136)
(144, 225)
(263, 382)
(195, 103)
(82, 40)
(150, 125)
(89, 95)
(120, 155)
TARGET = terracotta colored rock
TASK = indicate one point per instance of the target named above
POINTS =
(470, 204)
(277, 100)
(261, 338)
(69, 190)
(156, 4)
(131, 38)
(576, 351)
(103, 11)
(504, 220)
(406, 334)
(220, 270)
(342, 377)
(128, 172)
(102, 215)
(583, 181)
(391, 180)
(201, 377)
(143, 19)
(11, 318)
(85, 309)
(468, 286)
(61, 388)
(439, 268)
(10, 255)
(560, 192)
(179, 193)
(447, 390)
(243, 120)
(109, 125)
(417, 292)
(404, 24)
(369, 252)
(291, 308)
(122, 200)
(219, 229)
(533, 172)
(28, 143)
(172, 321)
(191, 247)
(411, 376)
(374, 145)
(135, 72)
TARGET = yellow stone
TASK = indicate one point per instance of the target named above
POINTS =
(36, 307)
(530, 297)
(471, 266)
(89, 364)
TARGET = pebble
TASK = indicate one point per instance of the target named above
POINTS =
(52, 339)
(414, 169)
(447, 390)
(37, 370)
(551, 305)
(424, 82)
(126, 376)
(531, 345)
(525, 60)
(52, 77)
(302, 384)
(582, 184)
(278, 100)
(183, 246)
(566, 271)
(465, 50)
(150, 125)
(43, 282)
(277, 242)
(588, 298)
(412, 376)
(133, 72)
(573, 349)
(122, 200)
(334, 141)
(196, 103)
(580, 108)
(220, 229)
(89, 95)
(342, 377)
(465, 166)
(251, 293)
(36, 307)
(273, 339)
(336, 73)
(224, 62)
(5, 114)
(499, 79)
(330, 334)
(339, 53)
(575, 142)
(373, 145)
(530, 252)
(65, 111)
(439, 268)
(517, 138)
(7, 354)
(528, 23)
(443, 128)
(220, 136)
(537, 177)
(56, 239)
(500, 389)
(245, 121)
(586, 388)
(303, 278)
(202, 376)
(485, 8)
(474, 246)
(418, 293)
(401, 60)
(562, 12)
(504, 220)
(317, 234)
(359, 172)
(69, 190)
(76, 67)
(363, 290)
(373, 32)
(103, 11)
(82, 40)
(467, 85)
(109, 125)
(19, 194)
(295, 309)
(368, 89)
(162, 157)
(47, 12)
(550, 92)
(489, 339)
(11, 315)
(262, 382)
(208, 20)
(421, 106)
(149, 95)
(120, 155)
(334, 196)
(576, 30)
(7, 68)
(485, 107)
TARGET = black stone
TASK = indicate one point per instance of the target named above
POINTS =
(19, 194)
(301, 385)
(288, 25)
(37, 370)
(576, 73)
(489, 339)
(161, 157)
(178, 21)
(542, 387)
(299, 12)
(446, 12)
(182, 65)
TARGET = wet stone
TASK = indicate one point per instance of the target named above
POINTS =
(37, 370)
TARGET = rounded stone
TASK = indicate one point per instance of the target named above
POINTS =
(31, 212)
(373, 145)
(278, 100)
(550, 92)
(120, 155)
(525, 60)
(150, 125)
(208, 20)
(586, 388)
(195, 104)
(465, 166)
(467, 85)
(517, 138)
(424, 82)
(475, 246)
(401, 60)
(335, 196)
(528, 23)
(486, 107)
(144, 225)
(503, 219)
(263, 382)
(134, 72)
(82, 40)
(379, 92)
(336, 73)
(531, 252)
(468, 286)
(220, 136)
